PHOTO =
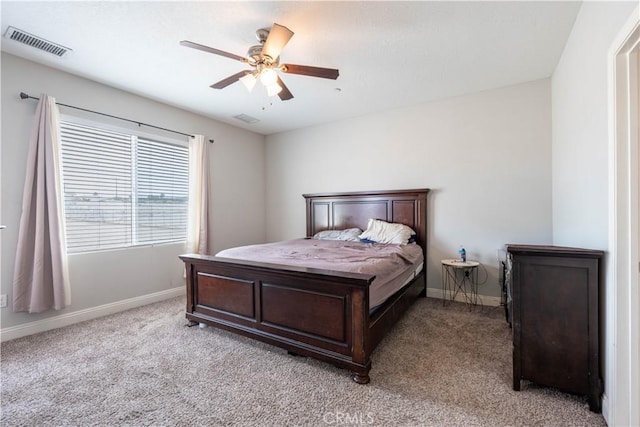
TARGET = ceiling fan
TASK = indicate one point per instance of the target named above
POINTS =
(264, 60)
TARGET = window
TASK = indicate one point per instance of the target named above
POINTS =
(122, 189)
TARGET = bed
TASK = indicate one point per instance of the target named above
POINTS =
(320, 313)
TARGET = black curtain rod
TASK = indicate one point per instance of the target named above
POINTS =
(25, 96)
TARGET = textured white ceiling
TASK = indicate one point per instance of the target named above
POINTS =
(390, 54)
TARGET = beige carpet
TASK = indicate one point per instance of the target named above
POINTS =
(440, 366)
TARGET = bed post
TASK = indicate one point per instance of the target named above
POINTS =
(360, 327)
(188, 268)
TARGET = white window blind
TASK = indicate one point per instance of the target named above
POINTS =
(121, 189)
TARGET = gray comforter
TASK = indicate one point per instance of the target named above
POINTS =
(393, 265)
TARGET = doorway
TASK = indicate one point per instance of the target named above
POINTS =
(623, 294)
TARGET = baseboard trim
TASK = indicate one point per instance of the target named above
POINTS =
(484, 300)
(67, 319)
(605, 408)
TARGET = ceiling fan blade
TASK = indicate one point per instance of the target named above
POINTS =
(305, 70)
(229, 80)
(212, 50)
(278, 37)
(285, 94)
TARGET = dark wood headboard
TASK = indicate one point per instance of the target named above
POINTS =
(338, 211)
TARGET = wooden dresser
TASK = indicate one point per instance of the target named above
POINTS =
(556, 340)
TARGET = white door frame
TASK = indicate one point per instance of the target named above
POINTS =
(622, 322)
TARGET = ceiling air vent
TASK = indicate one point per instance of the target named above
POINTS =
(35, 41)
(246, 118)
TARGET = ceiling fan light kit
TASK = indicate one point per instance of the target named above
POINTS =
(268, 76)
(249, 81)
(264, 59)
(273, 89)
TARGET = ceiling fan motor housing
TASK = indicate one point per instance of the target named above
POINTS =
(262, 34)
(254, 52)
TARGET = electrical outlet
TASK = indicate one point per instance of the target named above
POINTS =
(3, 300)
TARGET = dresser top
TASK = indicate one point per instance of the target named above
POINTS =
(550, 250)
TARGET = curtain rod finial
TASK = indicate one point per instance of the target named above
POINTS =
(211, 141)
(23, 95)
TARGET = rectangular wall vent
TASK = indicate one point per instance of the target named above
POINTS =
(246, 118)
(20, 36)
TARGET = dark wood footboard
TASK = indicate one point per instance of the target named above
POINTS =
(318, 313)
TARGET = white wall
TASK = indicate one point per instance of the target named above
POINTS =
(580, 127)
(103, 278)
(581, 177)
(486, 156)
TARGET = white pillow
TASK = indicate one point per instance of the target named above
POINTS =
(387, 232)
(349, 235)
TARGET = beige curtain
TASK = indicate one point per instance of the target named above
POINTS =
(40, 277)
(198, 219)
